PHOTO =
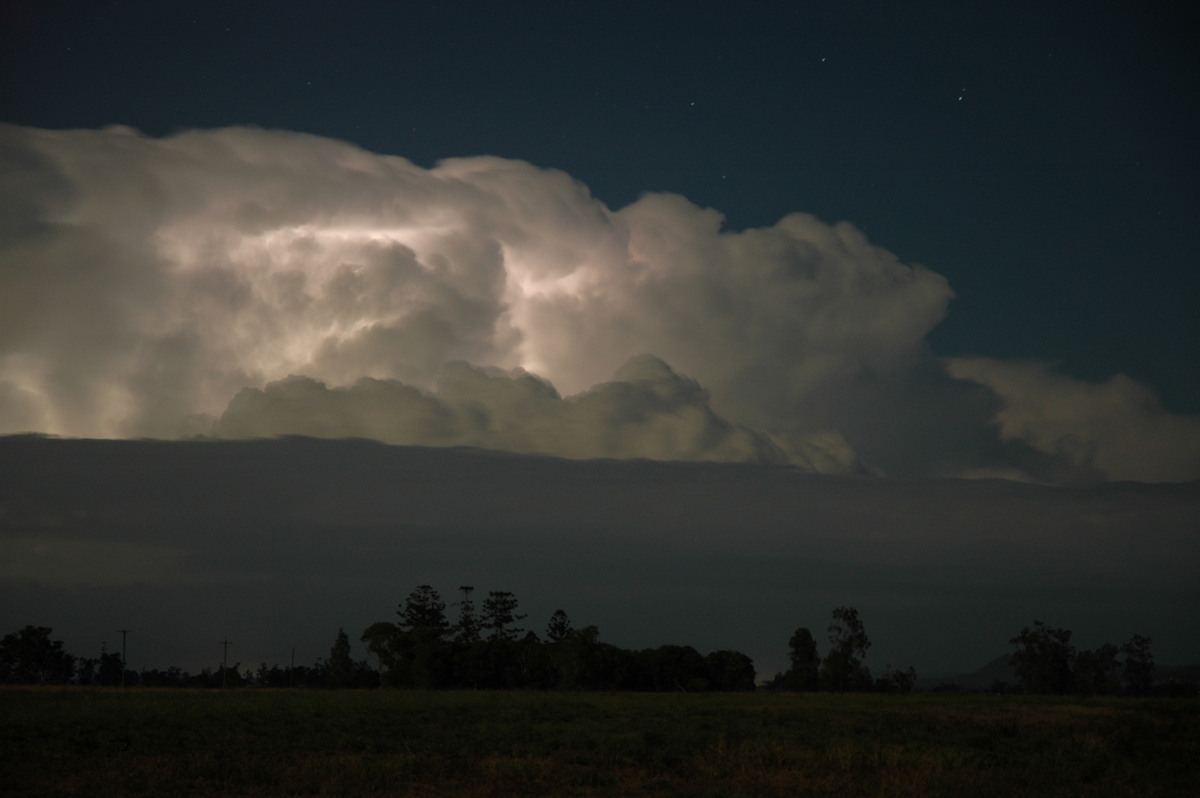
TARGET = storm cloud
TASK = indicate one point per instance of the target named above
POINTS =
(244, 282)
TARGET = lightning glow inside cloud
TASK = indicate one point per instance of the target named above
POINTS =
(244, 282)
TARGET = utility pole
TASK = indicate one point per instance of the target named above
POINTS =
(123, 633)
(225, 644)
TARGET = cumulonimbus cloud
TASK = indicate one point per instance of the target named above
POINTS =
(147, 282)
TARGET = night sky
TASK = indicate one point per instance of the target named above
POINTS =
(911, 241)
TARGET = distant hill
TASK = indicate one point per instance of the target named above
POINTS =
(982, 678)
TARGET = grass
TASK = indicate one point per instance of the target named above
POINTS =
(279, 742)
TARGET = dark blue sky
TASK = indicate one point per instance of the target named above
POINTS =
(1040, 155)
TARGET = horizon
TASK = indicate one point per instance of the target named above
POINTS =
(277, 543)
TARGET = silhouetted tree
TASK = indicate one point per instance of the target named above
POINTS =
(806, 664)
(559, 627)
(730, 670)
(894, 681)
(537, 663)
(671, 668)
(29, 656)
(843, 668)
(392, 647)
(171, 677)
(270, 676)
(109, 672)
(223, 676)
(85, 671)
(339, 670)
(364, 675)
(499, 613)
(424, 614)
(422, 658)
(1096, 671)
(1043, 658)
(1138, 668)
(578, 658)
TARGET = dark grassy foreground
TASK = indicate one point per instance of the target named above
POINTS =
(266, 742)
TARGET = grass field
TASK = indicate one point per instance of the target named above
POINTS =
(99, 742)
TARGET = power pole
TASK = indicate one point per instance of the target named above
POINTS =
(123, 633)
(225, 644)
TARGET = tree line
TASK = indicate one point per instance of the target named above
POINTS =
(1045, 662)
(30, 656)
(485, 648)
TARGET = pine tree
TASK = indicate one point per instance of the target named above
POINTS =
(424, 614)
(559, 627)
(499, 613)
(339, 671)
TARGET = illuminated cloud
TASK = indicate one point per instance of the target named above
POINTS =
(645, 411)
(149, 282)
(1116, 427)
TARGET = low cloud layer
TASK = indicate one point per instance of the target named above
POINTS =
(246, 282)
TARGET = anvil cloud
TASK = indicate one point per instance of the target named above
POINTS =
(243, 282)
